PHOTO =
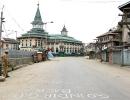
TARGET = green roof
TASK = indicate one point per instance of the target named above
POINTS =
(62, 38)
(34, 34)
(37, 30)
(37, 18)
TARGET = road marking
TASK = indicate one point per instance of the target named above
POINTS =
(62, 94)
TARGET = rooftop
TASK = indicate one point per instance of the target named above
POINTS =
(125, 5)
(10, 40)
(107, 33)
(63, 38)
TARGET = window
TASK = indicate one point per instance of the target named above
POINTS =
(22, 43)
(30, 43)
(64, 49)
(26, 43)
(70, 50)
(56, 49)
(7, 45)
(38, 42)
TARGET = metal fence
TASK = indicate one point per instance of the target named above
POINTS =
(127, 57)
(121, 57)
(19, 57)
(20, 53)
(118, 56)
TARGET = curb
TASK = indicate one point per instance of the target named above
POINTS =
(19, 66)
(2, 79)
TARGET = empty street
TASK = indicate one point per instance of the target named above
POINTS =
(67, 78)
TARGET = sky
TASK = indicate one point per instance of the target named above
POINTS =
(84, 19)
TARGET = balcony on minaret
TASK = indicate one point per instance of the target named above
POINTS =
(38, 26)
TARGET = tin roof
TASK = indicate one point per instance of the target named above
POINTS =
(107, 33)
(62, 38)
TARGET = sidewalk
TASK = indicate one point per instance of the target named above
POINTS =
(116, 65)
(14, 68)
(110, 65)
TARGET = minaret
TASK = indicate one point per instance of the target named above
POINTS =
(38, 23)
(64, 31)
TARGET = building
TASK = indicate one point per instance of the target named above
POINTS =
(38, 39)
(64, 43)
(91, 50)
(106, 42)
(10, 44)
(125, 23)
(109, 39)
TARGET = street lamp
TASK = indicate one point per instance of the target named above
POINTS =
(45, 29)
(47, 23)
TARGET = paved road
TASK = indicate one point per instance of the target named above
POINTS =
(67, 79)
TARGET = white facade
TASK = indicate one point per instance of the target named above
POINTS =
(65, 47)
(29, 44)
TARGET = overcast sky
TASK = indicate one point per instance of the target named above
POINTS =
(84, 19)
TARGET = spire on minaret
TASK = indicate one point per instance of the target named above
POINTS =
(37, 18)
(38, 4)
(64, 31)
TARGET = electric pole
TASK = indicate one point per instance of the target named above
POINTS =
(1, 22)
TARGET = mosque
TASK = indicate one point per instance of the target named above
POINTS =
(38, 39)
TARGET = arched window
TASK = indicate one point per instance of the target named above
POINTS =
(57, 50)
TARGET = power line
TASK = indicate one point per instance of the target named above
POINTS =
(17, 23)
(1, 3)
(14, 20)
(4, 29)
(95, 1)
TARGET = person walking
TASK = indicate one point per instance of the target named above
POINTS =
(50, 55)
